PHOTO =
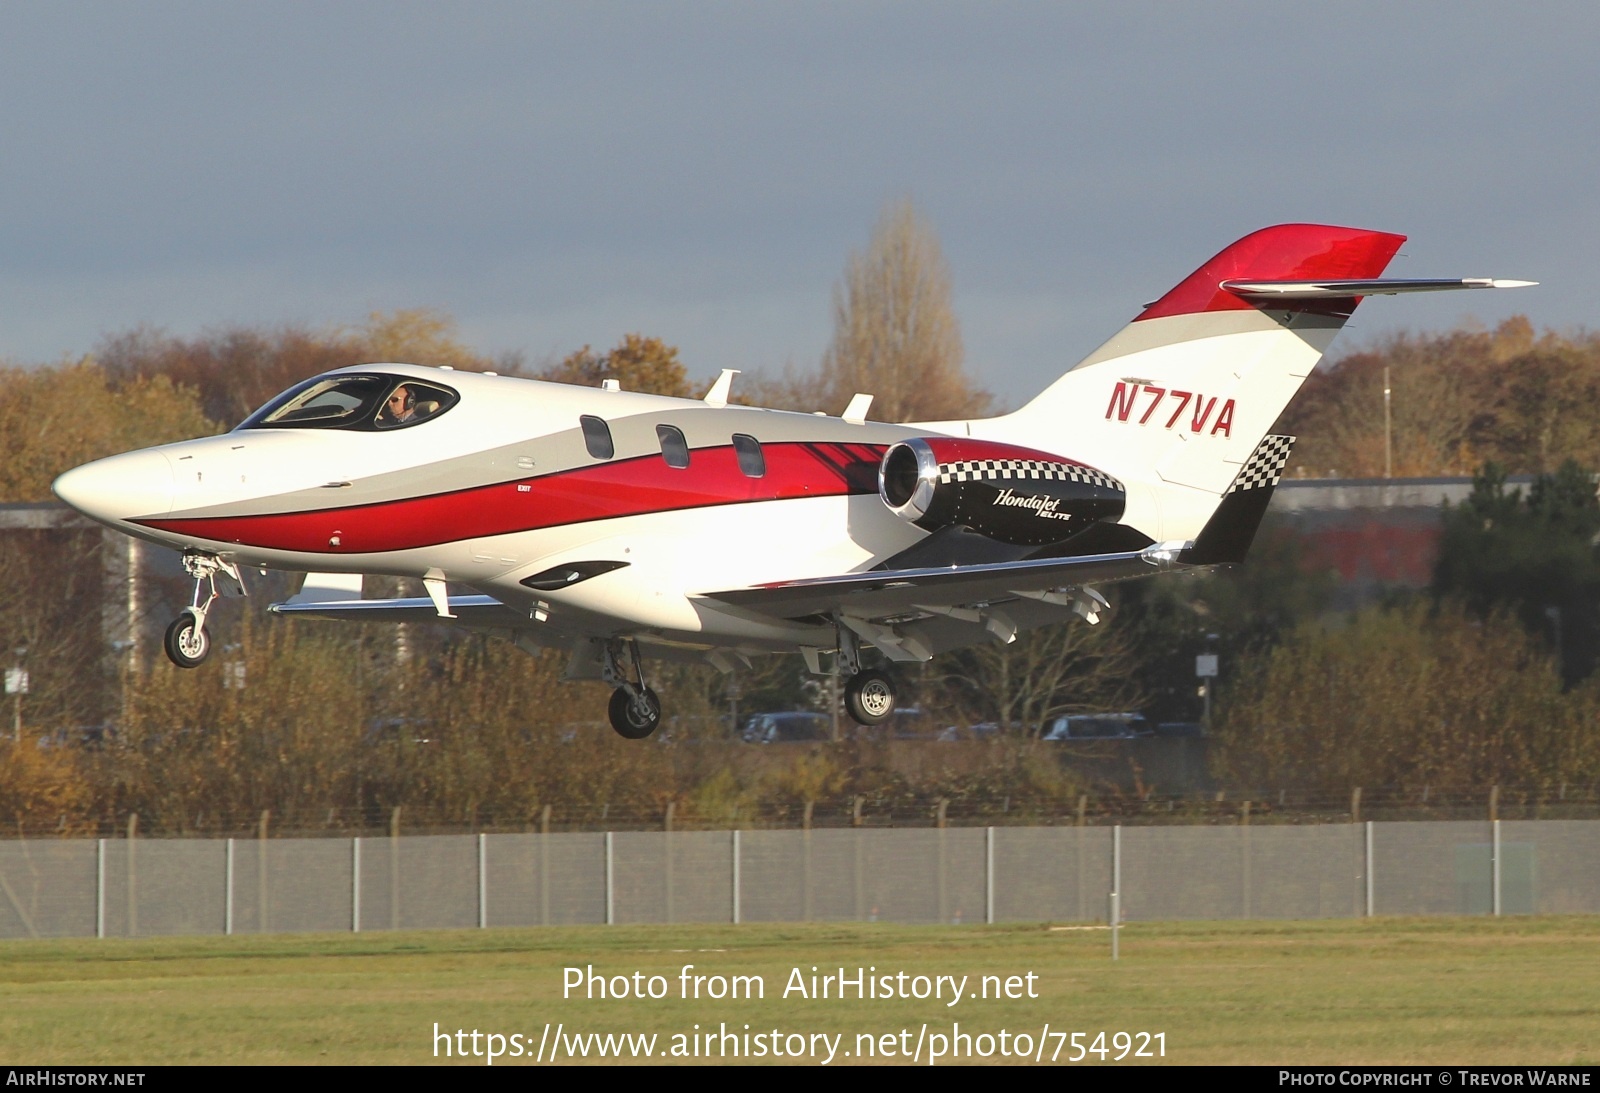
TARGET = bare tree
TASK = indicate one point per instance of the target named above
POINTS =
(895, 333)
(1065, 668)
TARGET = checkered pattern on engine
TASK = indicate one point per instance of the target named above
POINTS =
(1265, 465)
(975, 470)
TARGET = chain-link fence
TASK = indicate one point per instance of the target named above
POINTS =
(143, 887)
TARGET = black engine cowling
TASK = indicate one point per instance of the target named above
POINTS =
(1003, 492)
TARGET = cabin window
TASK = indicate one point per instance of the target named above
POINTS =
(597, 437)
(751, 461)
(674, 448)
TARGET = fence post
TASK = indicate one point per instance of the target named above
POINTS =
(805, 863)
(736, 908)
(100, 888)
(1116, 858)
(261, 871)
(1116, 890)
(544, 868)
(1355, 805)
(1494, 861)
(860, 880)
(666, 854)
(610, 884)
(988, 876)
(483, 881)
(1367, 870)
(133, 875)
(394, 868)
(355, 884)
(227, 898)
(941, 892)
(1244, 833)
(1494, 803)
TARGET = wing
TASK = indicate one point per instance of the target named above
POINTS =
(911, 614)
(883, 593)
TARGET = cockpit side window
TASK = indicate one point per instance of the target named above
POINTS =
(359, 401)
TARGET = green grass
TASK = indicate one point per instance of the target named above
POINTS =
(1435, 991)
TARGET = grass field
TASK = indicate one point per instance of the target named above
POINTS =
(1436, 991)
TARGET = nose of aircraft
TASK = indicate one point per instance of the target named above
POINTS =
(119, 488)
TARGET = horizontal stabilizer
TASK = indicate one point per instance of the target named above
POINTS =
(1379, 286)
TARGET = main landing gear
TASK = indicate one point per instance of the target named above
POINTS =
(635, 710)
(868, 693)
(187, 642)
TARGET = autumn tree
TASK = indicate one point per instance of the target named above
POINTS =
(53, 419)
(1458, 399)
(1070, 667)
(637, 363)
(895, 333)
(1410, 696)
(236, 369)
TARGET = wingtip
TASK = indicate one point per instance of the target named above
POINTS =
(1499, 282)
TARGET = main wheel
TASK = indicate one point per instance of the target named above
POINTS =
(187, 642)
(632, 719)
(869, 696)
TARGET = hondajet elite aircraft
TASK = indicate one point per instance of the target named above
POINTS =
(624, 526)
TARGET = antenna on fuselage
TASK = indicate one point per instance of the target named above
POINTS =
(856, 412)
(718, 395)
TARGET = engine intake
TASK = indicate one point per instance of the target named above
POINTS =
(1007, 493)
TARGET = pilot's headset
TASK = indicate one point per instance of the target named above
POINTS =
(408, 398)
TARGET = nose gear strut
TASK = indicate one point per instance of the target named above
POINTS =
(187, 643)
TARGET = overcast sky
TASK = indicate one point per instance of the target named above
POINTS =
(555, 175)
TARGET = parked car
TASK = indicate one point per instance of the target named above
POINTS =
(1097, 726)
(790, 726)
(983, 730)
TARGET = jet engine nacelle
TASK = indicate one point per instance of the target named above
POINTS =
(1007, 493)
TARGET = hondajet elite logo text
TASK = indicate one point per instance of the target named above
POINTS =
(1048, 507)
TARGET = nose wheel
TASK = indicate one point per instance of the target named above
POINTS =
(635, 710)
(187, 643)
(635, 716)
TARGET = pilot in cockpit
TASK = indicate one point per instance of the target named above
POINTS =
(404, 407)
(399, 408)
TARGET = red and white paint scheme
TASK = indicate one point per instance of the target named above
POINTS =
(624, 526)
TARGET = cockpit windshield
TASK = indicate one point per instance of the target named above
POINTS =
(354, 401)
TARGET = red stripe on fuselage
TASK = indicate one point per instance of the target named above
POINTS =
(625, 487)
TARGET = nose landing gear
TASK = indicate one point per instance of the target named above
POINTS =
(187, 643)
(635, 710)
